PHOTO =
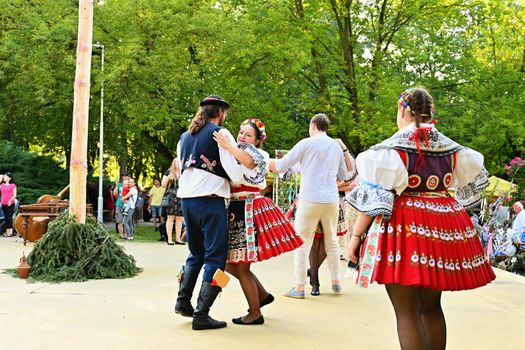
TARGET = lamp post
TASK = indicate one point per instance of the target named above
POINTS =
(100, 206)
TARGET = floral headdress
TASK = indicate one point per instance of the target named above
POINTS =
(258, 124)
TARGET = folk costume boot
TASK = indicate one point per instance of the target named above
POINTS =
(201, 319)
(187, 285)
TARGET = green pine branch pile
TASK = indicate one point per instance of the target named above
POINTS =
(70, 251)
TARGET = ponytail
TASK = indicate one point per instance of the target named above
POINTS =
(202, 116)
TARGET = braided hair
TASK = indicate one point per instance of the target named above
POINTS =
(420, 104)
(204, 114)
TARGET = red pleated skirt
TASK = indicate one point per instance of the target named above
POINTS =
(275, 234)
(430, 242)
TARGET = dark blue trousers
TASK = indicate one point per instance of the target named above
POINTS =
(207, 233)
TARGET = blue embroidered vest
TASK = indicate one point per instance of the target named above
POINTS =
(201, 151)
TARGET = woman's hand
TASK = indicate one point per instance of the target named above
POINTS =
(353, 249)
(344, 186)
(222, 140)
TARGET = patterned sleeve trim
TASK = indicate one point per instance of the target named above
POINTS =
(261, 168)
(372, 200)
(469, 196)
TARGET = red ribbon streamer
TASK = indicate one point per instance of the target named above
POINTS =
(415, 136)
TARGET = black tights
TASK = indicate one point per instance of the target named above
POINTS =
(317, 256)
(420, 320)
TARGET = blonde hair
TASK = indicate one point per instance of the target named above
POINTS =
(175, 169)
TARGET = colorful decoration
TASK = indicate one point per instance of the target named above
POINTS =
(260, 126)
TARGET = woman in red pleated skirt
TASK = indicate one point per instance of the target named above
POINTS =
(420, 240)
(258, 229)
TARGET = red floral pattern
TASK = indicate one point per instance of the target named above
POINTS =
(435, 245)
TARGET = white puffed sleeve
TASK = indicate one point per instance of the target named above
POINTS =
(469, 177)
(381, 173)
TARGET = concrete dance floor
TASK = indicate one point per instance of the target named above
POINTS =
(137, 313)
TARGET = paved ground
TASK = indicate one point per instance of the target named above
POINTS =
(137, 313)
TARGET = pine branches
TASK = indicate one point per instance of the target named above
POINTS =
(70, 251)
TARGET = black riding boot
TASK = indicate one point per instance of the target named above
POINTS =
(187, 285)
(201, 319)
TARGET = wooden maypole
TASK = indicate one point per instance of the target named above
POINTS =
(79, 139)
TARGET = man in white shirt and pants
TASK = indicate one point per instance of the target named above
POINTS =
(322, 163)
(203, 187)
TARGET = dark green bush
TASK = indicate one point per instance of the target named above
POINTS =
(34, 175)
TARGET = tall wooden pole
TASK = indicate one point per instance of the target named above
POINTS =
(78, 164)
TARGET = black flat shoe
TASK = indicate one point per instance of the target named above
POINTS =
(180, 243)
(315, 290)
(257, 321)
(170, 243)
(268, 300)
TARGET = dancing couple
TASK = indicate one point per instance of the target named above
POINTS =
(258, 229)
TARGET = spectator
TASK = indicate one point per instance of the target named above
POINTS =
(110, 200)
(119, 204)
(155, 202)
(130, 199)
(518, 225)
(8, 190)
(170, 181)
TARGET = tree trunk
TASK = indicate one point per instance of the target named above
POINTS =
(78, 164)
(347, 39)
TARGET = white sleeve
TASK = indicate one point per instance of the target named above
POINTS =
(384, 168)
(228, 162)
(291, 158)
(381, 173)
(256, 176)
(469, 164)
(469, 177)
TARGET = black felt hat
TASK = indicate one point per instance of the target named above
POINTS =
(215, 100)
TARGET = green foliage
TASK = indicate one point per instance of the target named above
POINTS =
(34, 175)
(70, 251)
(278, 60)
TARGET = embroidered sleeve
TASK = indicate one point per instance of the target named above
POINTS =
(372, 200)
(469, 196)
(257, 175)
(382, 173)
(469, 178)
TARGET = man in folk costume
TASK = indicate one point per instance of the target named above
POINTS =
(204, 186)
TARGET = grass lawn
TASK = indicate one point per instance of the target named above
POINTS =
(143, 233)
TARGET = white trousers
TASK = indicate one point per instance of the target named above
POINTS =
(307, 217)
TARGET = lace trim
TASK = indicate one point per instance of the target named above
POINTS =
(371, 200)
(439, 144)
(469, 196)
(260, 163)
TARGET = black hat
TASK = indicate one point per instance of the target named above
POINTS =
(215, 100)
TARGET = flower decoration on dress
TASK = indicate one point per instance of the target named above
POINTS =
(259, 125)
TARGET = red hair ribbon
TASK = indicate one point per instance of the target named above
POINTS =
(416, 136)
